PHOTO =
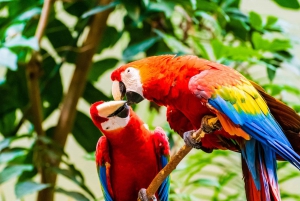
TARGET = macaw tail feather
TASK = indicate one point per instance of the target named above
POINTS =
(259, 170)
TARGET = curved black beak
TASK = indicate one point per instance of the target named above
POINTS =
(121, 112)
(133, 97)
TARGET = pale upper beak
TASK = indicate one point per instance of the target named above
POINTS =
(118, 90)
(107, 109)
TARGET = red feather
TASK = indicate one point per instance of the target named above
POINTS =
(131, 155)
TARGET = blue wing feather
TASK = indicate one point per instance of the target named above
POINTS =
(261, 127)
(163, 190)
(267, 138)
(103, 181)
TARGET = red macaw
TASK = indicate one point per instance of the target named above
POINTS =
(191, 88)
(128, 156)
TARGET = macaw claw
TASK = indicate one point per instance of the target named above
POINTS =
(210, 124)
(190, 141)
(144, 197)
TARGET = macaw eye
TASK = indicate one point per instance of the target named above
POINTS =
(129, 71)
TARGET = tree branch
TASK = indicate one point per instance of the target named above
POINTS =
(77, 85)
(33, 74)
(207, 122)
(33, 69)
(43, 19)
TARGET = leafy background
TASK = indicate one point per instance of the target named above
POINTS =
(246, 35)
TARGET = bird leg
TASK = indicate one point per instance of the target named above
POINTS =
(142, 196)
(209, 124)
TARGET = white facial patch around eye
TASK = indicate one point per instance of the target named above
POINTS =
(114, 123)
(132, 80)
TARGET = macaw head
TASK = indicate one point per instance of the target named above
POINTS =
(142, 79)
(110, 116)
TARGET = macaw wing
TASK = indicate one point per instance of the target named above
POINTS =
(163, 190)
(284, 115)
(103, 168)
(287, 118)
(240, 109)
(163, 154)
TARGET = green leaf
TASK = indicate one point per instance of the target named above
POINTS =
(73, 174)
(52, 89)
(12, 154)
(218, 48)
(272, 24)
(256, 21)
(5, 143)
(75, 195)
(28, 174)
(21, 41)
(274, 89)
(13, 30)
(163, 6)
(134, 49)
(293, 4)
(205, 182)
(28, 187)
(76, 8)
(8, 58)
(133, 8)
(173, 43)
(238, 24)
(231, 4)
(13, 171)
(90, 156)
(146, 3)
(210, 21)
(85, 132)
(259, 42)
(91, 94)
(265, 43)
(207, 5)
(99, 67)
(99, 9)
(59, 34)
(14, 93)
(110, 37)
(279, 44)
(27, 15)
(8, 123)
(201, 48)
(194, 4)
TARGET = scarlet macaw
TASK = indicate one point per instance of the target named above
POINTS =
(191, 88)
(128, 156)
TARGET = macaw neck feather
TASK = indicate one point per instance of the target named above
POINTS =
(162, 74)
(132, 133)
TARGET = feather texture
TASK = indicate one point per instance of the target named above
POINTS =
(103, 166)
(163, 152)
(128, 158)
(192, 87)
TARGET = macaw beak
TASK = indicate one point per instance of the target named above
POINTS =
(133, 97)
(119, 91)
(113, 108)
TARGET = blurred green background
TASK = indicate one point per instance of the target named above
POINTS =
(51, 72)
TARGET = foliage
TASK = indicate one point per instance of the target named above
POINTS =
(212, 29)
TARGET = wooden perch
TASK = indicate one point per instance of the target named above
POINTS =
(209, 122)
